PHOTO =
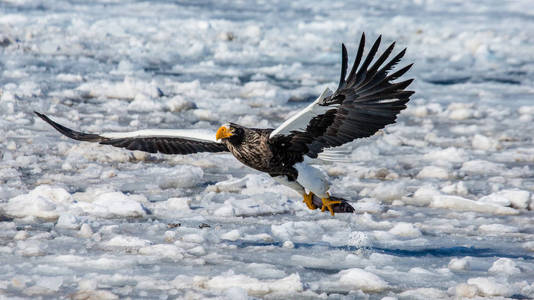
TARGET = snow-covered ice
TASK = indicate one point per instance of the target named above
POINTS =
(444, 198)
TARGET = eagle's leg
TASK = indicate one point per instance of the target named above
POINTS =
(308, 197)
(308, 200)
(327, 204)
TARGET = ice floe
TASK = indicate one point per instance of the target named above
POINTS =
(444, 198)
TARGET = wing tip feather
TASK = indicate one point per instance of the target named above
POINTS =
(73, 134)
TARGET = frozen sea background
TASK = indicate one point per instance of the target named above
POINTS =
(444, 198)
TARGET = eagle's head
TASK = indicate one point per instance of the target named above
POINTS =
(230, 132)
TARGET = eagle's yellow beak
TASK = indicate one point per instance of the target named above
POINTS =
(223, 132)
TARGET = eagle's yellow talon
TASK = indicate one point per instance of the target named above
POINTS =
(327, 204)
(308, 200)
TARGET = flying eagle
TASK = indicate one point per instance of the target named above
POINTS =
(365, 101)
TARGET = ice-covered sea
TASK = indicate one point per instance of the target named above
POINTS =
(444, 198)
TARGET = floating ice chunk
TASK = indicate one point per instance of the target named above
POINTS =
(30, 248)
(529, 246)
(463, 204)
(95, 294)
(365, 153)
(259, 89)
(482, 142)
(496, 199)
(336, 237)
(369, 205)
(197, 251)
(458, 188)
(406, 230)
(260, 237)
(105, 262)
(96, 152)
(43, 202)
(163, 251)
(193, 238)
(112, 205)
(451, 154)
(169, 236)
(51, 283)
(392, 139)
(232, 185)
(296, 231)
(459, 264)
(488, 286)
(460, 111)
(433, 172)
(124, 241)
(255, 287)
(178, 103)
(172, 207)
(288, 245)
(126, 89)
(308, 261)
(461, 114)
(19, 281)
(87, 284)
(11, 145)
(21, 235)
(389, 191)
(420, 111)
(236, 293)
(504, 266)
(68, 259)
(67, 221)
(261, 270)
(526, 118)
(497, 229)
(206, 115)
(184, 281)
(482, 167)
(69, 77)
(227, 210)
(232, 235)
(253, 121)
(526, 110)
(180, 204)
(363, 280)
(178, 177)
(368, 221)
(517, 198)
(55, 194)
(28, 89)
(422, 197)
(85, 231)
(465, 290)
(144, 103)
(125, 66)
(424, 293)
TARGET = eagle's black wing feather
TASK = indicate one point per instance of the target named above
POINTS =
(152, 144)
(366, 101)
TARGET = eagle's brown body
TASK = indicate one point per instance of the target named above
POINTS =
(254, 148)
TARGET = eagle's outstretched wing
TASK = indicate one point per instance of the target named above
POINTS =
(168, 141)
(365, 101)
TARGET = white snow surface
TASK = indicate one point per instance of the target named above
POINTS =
(443, 198)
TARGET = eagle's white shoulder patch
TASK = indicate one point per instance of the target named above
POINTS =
(299, 121)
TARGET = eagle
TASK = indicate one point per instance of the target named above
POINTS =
(365, 101)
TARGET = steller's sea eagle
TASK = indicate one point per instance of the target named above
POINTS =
(365, 101)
